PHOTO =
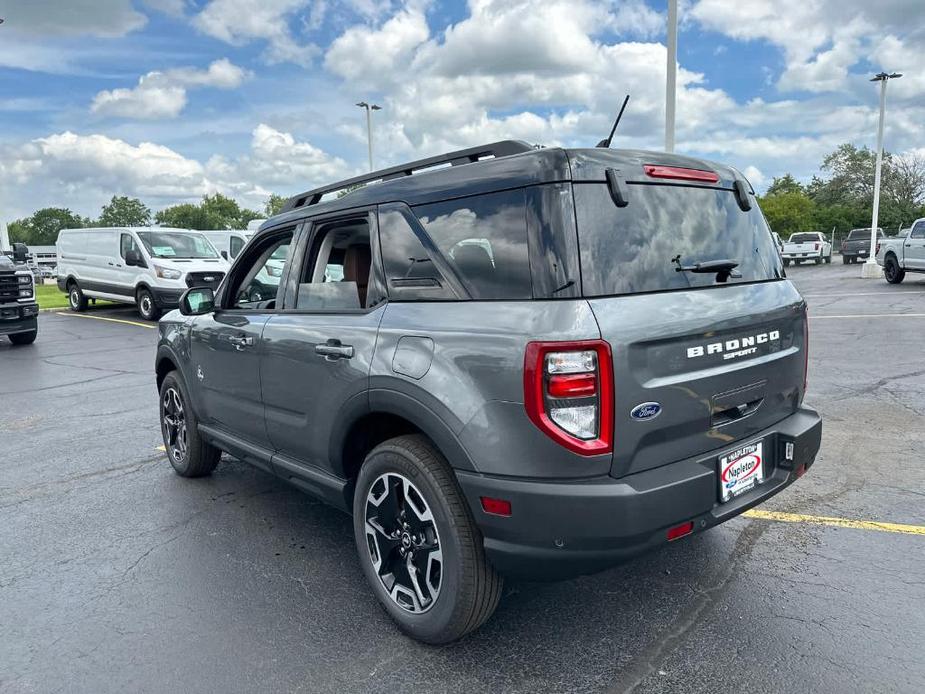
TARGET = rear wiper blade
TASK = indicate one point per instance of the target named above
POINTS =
(723, 267)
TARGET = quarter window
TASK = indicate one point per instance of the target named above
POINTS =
(126, 243)
(412, 274)
(484, 239)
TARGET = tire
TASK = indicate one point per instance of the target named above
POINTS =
(828, 259)
(24, 338)
(147, 309)
(818, 260)
(464, 592)
(75, 297)
(844, 260)
(786, 262)
(891, 270)
(188, 453)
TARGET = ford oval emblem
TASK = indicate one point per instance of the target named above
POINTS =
(646, 410)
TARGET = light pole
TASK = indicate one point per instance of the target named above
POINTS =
(672, 45)
(369, 127)
(870, 269)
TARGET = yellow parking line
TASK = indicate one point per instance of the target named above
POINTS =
(873, 315)
(162, 449)
(111, 320)
(836, 522)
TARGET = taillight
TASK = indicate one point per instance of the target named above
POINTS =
(680, 173)
(805, 353)
(844, 245)
(816, 246)
(568, 393)
(878, 248)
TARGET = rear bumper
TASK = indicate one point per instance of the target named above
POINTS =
(20, 318)
(802, 256)
(559, 529)
(852, 252)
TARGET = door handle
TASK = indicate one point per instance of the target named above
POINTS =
(240, 342)
(332, 350)
(112, 263)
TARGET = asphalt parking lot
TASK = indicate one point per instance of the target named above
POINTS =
(117, 575)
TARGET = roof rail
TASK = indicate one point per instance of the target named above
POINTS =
(503, 148)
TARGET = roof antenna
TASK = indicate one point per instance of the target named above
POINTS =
(606, 143)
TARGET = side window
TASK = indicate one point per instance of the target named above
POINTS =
(235, 246)
(918, 231)
(484, 238)
(256, 283)
(126, 243)
(337, 274)
(410, 271)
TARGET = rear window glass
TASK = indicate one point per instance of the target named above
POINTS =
(857, 234)
(638, 248)
(484, 239)
(804, 238)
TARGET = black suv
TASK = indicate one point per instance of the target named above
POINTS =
(502, 361)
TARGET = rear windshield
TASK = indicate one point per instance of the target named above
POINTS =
(861, 234)
(804, 238)
(638, 248)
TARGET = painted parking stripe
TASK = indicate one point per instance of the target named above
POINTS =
(892, 295)
(161, 448)
(836, 522)
(111, 320)
(873, 315)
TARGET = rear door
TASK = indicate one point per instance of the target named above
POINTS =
(701, 360)
(316, 352)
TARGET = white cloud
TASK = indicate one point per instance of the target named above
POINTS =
(104, 18)
(240, 21)
(83, 171)
(163, 94)
(368, 56)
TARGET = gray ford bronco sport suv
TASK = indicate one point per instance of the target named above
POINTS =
(502, 361)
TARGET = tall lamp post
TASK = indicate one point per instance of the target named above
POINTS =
(671, 76)
(870, 269)
(369, 127)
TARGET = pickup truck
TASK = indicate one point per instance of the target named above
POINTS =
(857, 245)
(807, 245)
(904, 253)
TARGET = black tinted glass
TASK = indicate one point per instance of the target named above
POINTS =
(410, 272)
(484, 238)
(804, 238)
(638, 248)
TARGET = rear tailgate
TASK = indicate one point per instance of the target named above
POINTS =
(721, 364)
(701, 359)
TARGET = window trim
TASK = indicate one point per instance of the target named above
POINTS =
(298, 263)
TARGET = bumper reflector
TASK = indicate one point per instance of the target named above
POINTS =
(496, 507)
(680, 530)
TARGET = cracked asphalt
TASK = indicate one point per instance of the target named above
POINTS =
(117, 575)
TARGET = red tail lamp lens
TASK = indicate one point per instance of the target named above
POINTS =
(680, 173)
(572, 385)
(496, 507)
(680, 530)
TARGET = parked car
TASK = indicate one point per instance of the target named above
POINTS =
(778, 242)
(857, 245)
(532, 363)
(903, 254)
(146, 266)
(18, 308)
(807, 245)
(228, 242)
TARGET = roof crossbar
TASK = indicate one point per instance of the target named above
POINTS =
(503, 148)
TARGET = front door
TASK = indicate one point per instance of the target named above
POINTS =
(317, 351)
(914, 247)
(225, 345)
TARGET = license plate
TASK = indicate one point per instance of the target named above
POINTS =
(740, 470)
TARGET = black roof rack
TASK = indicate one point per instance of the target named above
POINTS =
(503, 148)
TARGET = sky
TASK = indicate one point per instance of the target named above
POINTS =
(168, 100)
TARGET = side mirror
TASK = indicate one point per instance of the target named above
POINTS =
(20, 253)
(225, 255)
(133, 258)
(197, 301)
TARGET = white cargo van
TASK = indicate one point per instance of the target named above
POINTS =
(228, 242)
(146, 266)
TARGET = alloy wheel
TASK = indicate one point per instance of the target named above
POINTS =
(403, 543)
(145, 305)
(174, 424)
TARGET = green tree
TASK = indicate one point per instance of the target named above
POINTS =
(784, 184)
(216, 211)
(123, 211)
(788, 213)
(41, 229)
(274, 204)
